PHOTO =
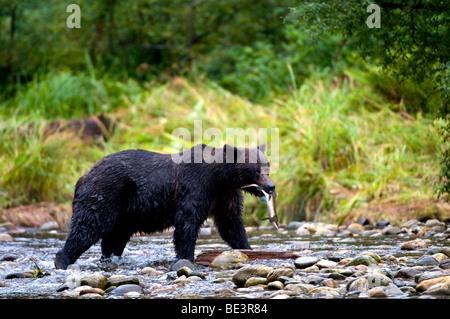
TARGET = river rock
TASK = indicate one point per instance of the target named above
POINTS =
(94, 281)
(406, 272)
(377, 292)
(49, 226)
(149, 271)
(230, 259)
(183, 263)
(275, 274)
(91, 290)
(254, 281)
(120, 280)
(24, 274)
(426, 260)
(363, 260)
(425, 284)
(298, 289)
(240, 277)
(126, 288)
(377, 280)
(305, 262)
(324, 292)
(356, 227)
(359, 284)
(445, 264)
(414, 244)
(275, 285)
(325, 263)
(440, 289)
(5, 237)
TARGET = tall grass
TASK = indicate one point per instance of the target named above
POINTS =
(337, 152)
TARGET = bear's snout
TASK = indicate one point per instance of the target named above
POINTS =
(270, 187)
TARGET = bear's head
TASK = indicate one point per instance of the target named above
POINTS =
(252, 169)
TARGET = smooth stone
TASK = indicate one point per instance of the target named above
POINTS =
(440, 257)
(363, 260)
(329, 282)
(254, 281)
(425, 284)
(280, 272)
(275, 285)
(149, 271)
(183, 263)
(14, 275)
(6, 237)
(321, 290)
(184, 271)
(94, 281)
(305, 262)
(9, 257)
(92, 290)
(359, 284)
(426, 260)
(356, 227)
(406, 272)
(230, 259)
(120, 280)
(294, 225)
(240, 277)
(376, 280)
(440, 289)
(299, 289)
(377, 292)
(126, 288)
(414, 244)
(325, 263)
(445, 264)
(433, 274)
(49, 226)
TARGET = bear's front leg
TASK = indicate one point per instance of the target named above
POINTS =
(228, 219)
(187, 226)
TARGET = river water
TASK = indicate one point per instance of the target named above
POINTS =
(35, 247)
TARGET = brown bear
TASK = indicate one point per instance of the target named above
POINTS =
(142, 191)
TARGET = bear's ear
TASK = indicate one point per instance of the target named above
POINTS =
(262, 147)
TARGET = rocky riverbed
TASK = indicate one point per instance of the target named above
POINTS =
(355, 261)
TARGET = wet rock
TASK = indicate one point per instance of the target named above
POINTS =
(127, 288)
(325, 263)
(6, 237)
(254, 281)
(149, 271)
(440, 289)
(406, 272)
(426, 261)
(275, 274)
(305, 262)
(184, 271)
(363, 260)
(425, 284)
(298, 289)
(91, 290)
(414, 244)
(358, 284)
(440, 257)
(275, 285)
(120, 280)
(183, 263)
(9, 257)
(377, 292)
(94, 281)
(14, 275)
(240, 277)
(432, 275)
(377, 280)
(294, 225)
(324, 292)
(230, 259)
(391, 230)
(356, 227)
(329, 282)
(49, 226)
(445, 264)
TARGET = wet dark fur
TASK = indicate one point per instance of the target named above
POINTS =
(141, 191)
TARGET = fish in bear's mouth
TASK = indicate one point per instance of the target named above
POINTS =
(270, 201)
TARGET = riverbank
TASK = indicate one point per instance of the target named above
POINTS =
(356, 261)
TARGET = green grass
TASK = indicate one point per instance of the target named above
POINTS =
(337, 151)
